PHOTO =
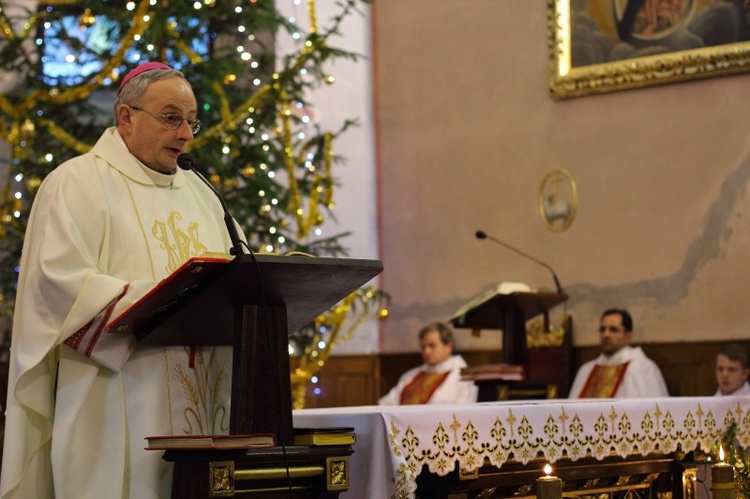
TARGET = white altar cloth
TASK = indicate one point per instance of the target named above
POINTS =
(394, 442)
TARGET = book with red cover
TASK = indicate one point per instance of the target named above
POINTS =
(196, 442)
(173, 291)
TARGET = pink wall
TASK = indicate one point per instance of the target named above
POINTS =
(466, 133)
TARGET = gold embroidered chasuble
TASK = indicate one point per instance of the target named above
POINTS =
(422, 387)
(432, 387)
(101, 234)
(604, 381)
(642, 378)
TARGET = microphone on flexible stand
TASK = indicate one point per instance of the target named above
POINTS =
(186, 162)
(482, 235)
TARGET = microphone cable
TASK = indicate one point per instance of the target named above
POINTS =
(186, 162)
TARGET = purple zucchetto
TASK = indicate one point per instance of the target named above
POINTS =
(142, 68)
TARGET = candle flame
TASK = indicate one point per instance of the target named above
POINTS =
(721, 453)
(548, 469)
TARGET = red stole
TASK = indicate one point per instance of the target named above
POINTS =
(422, 387)
(603, 381)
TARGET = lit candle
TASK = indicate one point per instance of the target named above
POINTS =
(548, 486)
(722, 478)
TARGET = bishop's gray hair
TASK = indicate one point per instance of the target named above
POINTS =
(134, 89)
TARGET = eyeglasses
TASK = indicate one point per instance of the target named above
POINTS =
(611, 329)
(173, 121)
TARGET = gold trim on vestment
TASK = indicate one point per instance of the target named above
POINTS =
(603, 381)
(421, 388)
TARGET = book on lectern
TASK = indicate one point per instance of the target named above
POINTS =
(504, 288)
(170, 292)
(197, 442)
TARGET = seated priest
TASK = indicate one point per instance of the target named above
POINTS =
(620, 371)
(732, 370)
(438, 380)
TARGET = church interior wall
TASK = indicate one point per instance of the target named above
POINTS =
(467, 131)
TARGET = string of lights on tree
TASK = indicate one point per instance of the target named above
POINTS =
(260, 145)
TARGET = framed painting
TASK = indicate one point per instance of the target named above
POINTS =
(598, 46)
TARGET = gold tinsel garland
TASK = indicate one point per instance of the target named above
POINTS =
(64, 137)
(141, 21)
(184, 47)
(230, 119)
(313, 17)
(305, 222)
(225, 109)
(339, 330)
(295, 202)
(8, 32)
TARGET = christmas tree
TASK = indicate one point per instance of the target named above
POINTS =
(258, 146)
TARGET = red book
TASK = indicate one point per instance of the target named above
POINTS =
(172, 292)
(197, 442)
(483, 372)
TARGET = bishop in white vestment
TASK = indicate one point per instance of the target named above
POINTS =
(104, 229)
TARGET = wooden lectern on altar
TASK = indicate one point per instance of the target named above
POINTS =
(508, 312)
(253, 303)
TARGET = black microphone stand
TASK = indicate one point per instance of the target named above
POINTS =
(480, 234)
(186, 162)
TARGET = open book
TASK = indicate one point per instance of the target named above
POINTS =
(504, 288)
(173, 291)
(197, 442)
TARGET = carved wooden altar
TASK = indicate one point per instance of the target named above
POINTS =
(656, 476)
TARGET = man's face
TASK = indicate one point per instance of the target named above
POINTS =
(612, 334)
(729, 374)
(434, 351)
(146, 136)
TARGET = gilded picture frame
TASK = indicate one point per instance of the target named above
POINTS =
(599, 46)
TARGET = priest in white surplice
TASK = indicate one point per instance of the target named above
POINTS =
(620, 371)
(438, 380)
(104, 229)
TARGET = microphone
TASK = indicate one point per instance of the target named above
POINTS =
(480, 234)
(186, 162)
